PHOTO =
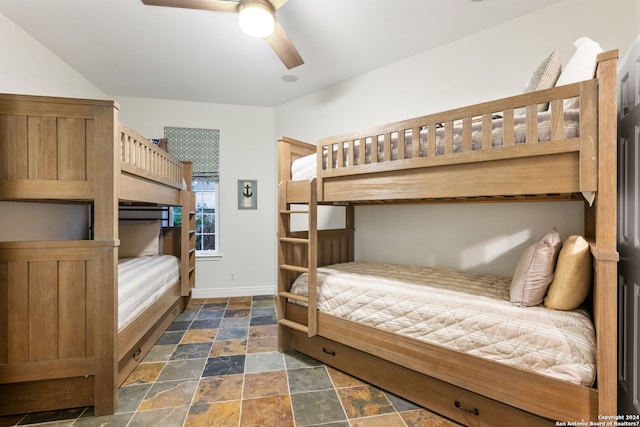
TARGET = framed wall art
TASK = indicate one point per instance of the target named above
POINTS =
(247, 194)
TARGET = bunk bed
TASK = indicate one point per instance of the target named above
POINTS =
(486, 152)
(63, 341)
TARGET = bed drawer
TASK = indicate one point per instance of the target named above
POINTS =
(450, 401)
(152, 325)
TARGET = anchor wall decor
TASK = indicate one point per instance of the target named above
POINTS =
(247, 194)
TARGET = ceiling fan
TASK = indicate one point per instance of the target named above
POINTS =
(251, 14)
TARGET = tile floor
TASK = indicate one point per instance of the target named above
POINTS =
(218, 365)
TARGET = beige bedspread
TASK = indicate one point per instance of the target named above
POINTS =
(460, 311)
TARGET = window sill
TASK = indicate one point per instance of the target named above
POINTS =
(208, 257)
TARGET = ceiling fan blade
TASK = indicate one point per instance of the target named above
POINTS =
(284, 48)
(277, 3)
(214, 5)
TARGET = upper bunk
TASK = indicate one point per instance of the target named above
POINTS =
(553, 143)
(65, 149)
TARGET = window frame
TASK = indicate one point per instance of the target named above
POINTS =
(199, 213)
(215, 214)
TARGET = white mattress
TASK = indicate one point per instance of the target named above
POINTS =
(305, 167)
(460, 311)
(141, 281)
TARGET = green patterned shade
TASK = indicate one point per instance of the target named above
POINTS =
(199, 146)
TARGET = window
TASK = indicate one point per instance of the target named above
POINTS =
(200, 146)
(206, 224)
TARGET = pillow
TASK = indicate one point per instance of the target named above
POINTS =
(139, 238)
(572, 281)
(534, 271)
(544, 77)
(580, 67)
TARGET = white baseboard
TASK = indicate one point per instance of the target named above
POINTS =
(244, 291)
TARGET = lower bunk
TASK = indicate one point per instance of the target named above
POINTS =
(451, 342)
(149, 300)
(70, 335)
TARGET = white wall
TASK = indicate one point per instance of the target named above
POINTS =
(476, 237)
(487, 65)
(247, 151)
(27, 67)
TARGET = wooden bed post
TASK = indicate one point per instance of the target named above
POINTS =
(284, 162)
(107, 152)
(606, 256)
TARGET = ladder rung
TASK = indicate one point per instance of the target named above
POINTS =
(294, 240)
(294, 325)
(287, 212)
(294, 268)
(296, 297)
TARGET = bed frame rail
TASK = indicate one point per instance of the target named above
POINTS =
(411, 144)
(141, 157)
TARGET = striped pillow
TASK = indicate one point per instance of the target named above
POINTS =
(544, 77)
(534, 271)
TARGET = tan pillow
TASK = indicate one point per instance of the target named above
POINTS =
(572, 281)
(534, 271)
(139, 238)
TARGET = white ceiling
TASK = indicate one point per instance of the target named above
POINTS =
(128, 49)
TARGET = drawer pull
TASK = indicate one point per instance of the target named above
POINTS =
(136, 355)
(473, 411)
(332, 353)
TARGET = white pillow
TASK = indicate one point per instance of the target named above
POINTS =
(580, 67)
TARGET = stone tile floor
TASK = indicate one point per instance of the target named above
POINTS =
(218, 365)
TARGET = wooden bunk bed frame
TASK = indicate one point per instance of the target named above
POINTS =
(60, 346)
(468, 389)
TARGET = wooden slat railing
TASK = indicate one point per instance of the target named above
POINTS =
(141, 157)
(413, 142)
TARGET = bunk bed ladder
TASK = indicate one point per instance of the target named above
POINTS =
(297, 254)
(188, 234)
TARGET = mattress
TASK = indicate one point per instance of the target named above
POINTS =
(141, 281)
(305, 167)
(460, 311)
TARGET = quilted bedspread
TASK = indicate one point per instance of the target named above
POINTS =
(460, 311)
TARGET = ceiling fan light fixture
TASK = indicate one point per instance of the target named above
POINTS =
(256, 18)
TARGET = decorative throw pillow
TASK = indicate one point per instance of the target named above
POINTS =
(572, 281)
(139, 238)
(534, 271)
(580, 67)
(544, 77)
